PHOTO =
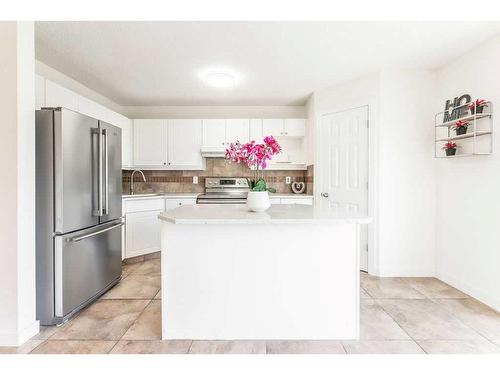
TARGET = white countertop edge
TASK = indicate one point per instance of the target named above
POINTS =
(364, 220)
(195, 195)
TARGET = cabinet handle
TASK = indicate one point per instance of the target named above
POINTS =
(223, 143)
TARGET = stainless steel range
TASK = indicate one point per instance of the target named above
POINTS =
(224, 190)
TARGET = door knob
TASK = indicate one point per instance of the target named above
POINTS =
(324, 195)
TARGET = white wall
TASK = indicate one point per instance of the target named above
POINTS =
(402, 194)
(17, 193)
(406, 183)
(214, 111)
(468, 189)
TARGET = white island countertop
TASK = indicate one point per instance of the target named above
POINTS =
(238, 214)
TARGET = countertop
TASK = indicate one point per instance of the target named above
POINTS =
(194, 195)
(238, 214)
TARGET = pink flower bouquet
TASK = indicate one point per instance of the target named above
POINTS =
(256, 157)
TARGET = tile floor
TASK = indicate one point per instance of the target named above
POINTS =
(398, 315)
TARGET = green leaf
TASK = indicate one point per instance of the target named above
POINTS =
(260, 185)
(271, 190)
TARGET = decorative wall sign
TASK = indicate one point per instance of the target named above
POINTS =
(457, 108)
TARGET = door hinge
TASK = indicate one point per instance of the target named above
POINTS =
(368, 123)
(366, 248)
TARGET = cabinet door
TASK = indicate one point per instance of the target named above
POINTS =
(214, 133)
(256, 130)
(295, 127)
(58, 96)
(149, 143)
(91, 108)
(143, 233)
(237, 130)
(126, 143)
(184, 143)
(272, 127)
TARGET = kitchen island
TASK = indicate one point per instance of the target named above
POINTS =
(291, 272)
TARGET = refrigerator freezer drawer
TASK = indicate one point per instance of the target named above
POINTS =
(86, 263)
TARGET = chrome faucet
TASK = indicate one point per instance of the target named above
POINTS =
(132, 180)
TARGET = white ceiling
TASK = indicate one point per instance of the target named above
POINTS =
(278, 63)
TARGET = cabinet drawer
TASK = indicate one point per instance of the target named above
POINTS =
(144, 205)
(174, 203)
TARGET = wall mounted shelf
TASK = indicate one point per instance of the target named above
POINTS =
(477, 141)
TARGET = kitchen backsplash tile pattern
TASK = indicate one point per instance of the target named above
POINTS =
(182, 181)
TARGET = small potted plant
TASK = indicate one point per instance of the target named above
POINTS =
(450, 148)
(461, 127)
(255, 156)
(477, 106)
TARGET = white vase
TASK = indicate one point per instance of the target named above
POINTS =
(258, 201)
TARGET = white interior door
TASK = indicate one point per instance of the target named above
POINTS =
(344, 166)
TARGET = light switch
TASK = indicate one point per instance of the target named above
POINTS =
(288, 180)
(195, 179)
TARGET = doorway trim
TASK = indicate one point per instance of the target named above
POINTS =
(373, 251)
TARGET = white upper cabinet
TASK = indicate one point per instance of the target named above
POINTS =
(237, 130)
(184, 143)
(127, 145)
(284, 127)
(150, 147)
(295, 127)
(256, 130)
(272, 127)
(214, 133)
(59, 96)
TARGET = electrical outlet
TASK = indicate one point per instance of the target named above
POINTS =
(288, 180)
(195, 179)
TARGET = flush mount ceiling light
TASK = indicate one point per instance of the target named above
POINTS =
(219, 79)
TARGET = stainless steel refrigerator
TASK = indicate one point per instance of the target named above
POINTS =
(78, 211)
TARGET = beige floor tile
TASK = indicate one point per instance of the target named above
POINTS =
(305, 347)
(434, 288)
(382, 347)
(23, 349)
(363, 294)
(45, 332)
(148, 267)
(135, 287)
(74, 347)
(389, 287)
(104, 320)
(152, 347)
(128, 268)
(148, 324)
(158, 295)
(475, 314)
(458, 346)
(426, 320)
(227, 347)
(376, 324)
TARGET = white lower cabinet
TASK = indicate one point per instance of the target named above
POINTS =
(142, 233)
(142, 226)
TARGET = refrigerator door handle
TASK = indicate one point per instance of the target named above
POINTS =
(99, 198)
(79, 238)
(98, 211)
(105, 210)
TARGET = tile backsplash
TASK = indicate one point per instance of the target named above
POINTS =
(160, 181)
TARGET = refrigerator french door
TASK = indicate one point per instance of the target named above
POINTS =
(78, 211)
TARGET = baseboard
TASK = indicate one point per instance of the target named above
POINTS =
(17, 338)
(489, 299)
